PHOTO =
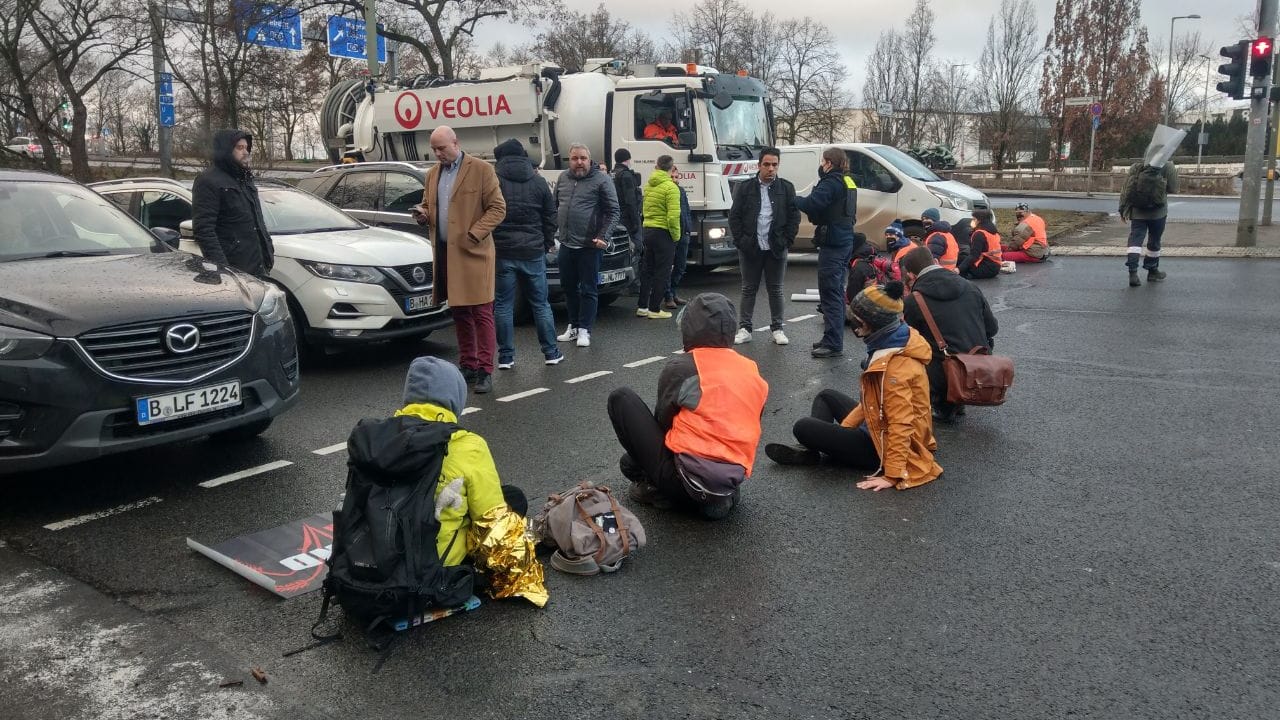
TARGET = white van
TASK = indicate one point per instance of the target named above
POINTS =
(891, 185)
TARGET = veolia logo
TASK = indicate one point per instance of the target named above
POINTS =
(408, 110)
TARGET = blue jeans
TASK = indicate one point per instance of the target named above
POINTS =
(1153, 229)
(579, 278)
(677, 268)
(833, 270)
(532, 274)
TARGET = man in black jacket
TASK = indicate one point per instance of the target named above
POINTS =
(521, 242)
(226, 215)
(959, 309)
(763, 222)
(630, 198)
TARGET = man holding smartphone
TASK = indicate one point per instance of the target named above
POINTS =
(462, 204)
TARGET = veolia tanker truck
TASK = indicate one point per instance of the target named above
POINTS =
(722, 121)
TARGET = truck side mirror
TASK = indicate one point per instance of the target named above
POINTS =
(722, 100)
(688, 138)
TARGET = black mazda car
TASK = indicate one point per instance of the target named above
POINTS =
(110, 340)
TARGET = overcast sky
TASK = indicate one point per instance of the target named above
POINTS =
(960, 32)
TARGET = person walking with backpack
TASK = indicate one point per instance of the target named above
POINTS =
(1144, 203)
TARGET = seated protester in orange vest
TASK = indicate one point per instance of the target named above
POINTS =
(662, 129)
(890, 430)
(984, 258)
(961, 313)
(939, 240)
(1030, 238)
(697, 447)
(913, 233)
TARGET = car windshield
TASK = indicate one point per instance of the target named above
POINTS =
(288, 212)
(52, 219)
(742, 123)
(904, 162)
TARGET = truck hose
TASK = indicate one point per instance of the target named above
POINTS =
(549, 103)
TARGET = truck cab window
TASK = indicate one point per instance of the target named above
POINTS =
(658, 119)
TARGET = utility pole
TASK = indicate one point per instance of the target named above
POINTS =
(1251, 183)
(164, 135)
(371, 37)
(1272, 139)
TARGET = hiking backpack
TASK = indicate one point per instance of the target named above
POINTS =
(1149, 189)
(385, 566)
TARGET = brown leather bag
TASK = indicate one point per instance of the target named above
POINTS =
(973, 378)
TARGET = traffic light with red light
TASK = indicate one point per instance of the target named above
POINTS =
(1260, 52)
(1238, 54)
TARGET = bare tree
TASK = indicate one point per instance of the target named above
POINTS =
(885, 83)
(716, 31)
(1183, 86)
(951, 99)
(574, 37)
(1009, 59)
(808, 64)
(830, 117)
(917, 44)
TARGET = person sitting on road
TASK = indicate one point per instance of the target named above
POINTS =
(662, 129)
(890, 428)
(961, 313)
(939, 240)
(913, 233)
(961, 232)
(481, 520)
(983, 262)
(1030, 238)
(698, 445)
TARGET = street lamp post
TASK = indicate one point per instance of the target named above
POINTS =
(1168, 81)
(1204, 110)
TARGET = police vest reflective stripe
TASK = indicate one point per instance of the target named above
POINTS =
(726, 424)
(951, 252)
(993, 252)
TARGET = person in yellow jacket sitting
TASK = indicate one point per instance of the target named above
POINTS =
(891, 429)
(481, 520)
(661, 236)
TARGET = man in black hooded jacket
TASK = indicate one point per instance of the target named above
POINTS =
(960, 311)
(226, 214)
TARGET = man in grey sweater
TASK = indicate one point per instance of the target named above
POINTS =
(586, 213)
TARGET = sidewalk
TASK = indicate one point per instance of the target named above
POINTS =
(68, 651)
(1181, 239)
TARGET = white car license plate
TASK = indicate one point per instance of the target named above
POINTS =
(417, 303)
(612, 276)
(721, 246)
(162, 408)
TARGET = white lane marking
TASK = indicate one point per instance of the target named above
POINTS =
(521, 395)
(645, 361)
(802, 317)
(64, 524)
(469, 410)
(337, 447)
(245, 473)
(588, 376)
(678, 352)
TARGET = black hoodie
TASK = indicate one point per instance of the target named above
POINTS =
(958, 307)
(529, 229)
(226, 215)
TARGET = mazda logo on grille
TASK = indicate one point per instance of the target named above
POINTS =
(182, 339)
(419, 275)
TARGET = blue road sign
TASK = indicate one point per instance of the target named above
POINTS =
(274, 27)
(346, 39)
(166, 114)
(1096, 122)
(166, 84)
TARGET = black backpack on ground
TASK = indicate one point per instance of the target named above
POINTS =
(1150, 189)
(384, 565)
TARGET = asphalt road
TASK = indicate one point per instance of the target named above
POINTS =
(1182, 208)
(1103, 546)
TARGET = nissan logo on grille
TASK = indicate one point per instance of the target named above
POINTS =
(419, 275)
(182, 339)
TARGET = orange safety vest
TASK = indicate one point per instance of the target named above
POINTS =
(951, 254)
(993, 251)
(895, 269)
(1039, 234)
(655, 131)
(726, 424)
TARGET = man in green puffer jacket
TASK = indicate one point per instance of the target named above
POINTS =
(661, 234)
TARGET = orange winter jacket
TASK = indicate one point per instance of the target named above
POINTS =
(895, 406)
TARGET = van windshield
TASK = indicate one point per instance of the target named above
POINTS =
(905, 163)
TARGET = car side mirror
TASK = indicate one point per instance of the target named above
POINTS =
(186, 230)
(168, 236)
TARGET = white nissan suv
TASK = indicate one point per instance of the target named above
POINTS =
(346, 282)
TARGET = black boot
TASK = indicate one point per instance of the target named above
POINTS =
(484, 383)
(1156, 275)
(1133, 279)
(791, 454)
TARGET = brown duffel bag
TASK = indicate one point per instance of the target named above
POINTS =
(973, 378)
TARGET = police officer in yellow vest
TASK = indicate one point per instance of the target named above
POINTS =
(832, 207)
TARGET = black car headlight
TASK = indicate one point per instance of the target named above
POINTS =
(18, 344)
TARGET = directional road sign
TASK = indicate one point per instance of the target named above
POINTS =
(346, 39)
(274, 27)
(1084, 100)
(1096, 122)
(166, 113)
(166, 84)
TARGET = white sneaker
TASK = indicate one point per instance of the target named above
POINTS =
(780, 338)
(506, 365)
(743, 336)
(642, 312)
(570, 333)
(584, 337)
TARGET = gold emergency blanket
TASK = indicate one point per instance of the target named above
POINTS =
(503, 550)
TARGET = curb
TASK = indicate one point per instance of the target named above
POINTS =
(1189, 252)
